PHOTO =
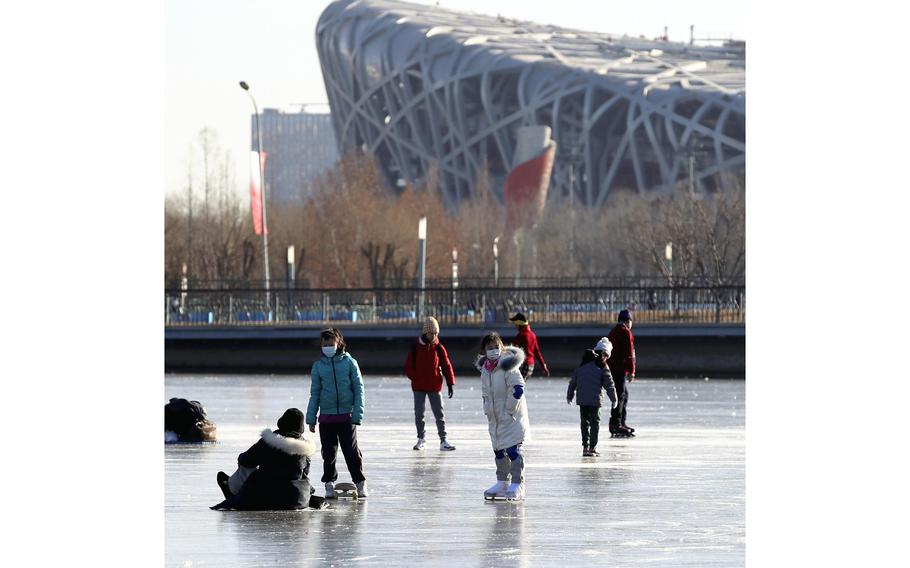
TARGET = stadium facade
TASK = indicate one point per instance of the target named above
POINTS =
(415, 84)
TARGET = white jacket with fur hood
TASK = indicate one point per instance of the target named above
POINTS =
(507, 416)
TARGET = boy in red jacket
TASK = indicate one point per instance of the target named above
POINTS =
(622, 367)
(426, 365)
(527, 340)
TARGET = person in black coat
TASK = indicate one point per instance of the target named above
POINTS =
(278, 466)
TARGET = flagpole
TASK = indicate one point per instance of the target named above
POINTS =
(265, 233)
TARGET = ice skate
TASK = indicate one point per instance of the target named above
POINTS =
(329, 489)
(496, 491)
(617, 431)
(593, 453)
(445, 446)
(585, 452)
(421, 444)
(362, 489)
(629, 428)
(516, 492)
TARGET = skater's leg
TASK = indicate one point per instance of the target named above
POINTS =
(625, 404)
(347, 434)
(438, 406)
(419, 410)
(517, 467)
(616, 413)
(503, 465)
(328, 436)
(594, 421)
(583, 413)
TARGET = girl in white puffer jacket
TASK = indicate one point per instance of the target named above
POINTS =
(506, 409)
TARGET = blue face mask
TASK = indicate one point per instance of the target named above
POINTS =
(328, 350)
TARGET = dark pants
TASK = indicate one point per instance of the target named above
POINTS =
(618, 414)
(420, 400)
(526, 370)
(590, 425)
(330, 434)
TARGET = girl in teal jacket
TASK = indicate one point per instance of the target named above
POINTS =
(336, 394)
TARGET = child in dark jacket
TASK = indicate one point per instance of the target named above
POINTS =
(272, 474)
(426, 365)
(587, 384)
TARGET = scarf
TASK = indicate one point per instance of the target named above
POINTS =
(490, 366)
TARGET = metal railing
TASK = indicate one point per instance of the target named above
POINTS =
(453, 306)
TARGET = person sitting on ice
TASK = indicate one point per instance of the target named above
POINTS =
(186, 421)
(587, 386)
(272, 474)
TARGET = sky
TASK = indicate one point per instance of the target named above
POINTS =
(211, 45)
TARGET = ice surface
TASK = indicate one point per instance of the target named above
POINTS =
(672, 496)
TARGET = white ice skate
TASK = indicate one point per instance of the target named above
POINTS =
(362, 489)
(516, 492)
(421, 444)
(496, 491)
(329, 489)
(445, 446)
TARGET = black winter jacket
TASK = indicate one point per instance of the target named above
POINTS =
(280, 480)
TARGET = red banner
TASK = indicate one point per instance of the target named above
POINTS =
(256, 190)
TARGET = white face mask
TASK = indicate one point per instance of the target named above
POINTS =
(493, 354)
(328, 350)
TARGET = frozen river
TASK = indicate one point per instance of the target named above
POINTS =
(672, 496)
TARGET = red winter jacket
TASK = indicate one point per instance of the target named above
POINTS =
(622, 359)
(426, 365)
(527, 340)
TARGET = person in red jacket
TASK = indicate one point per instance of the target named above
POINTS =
(622, 367)
(527, 340)
(426, 365)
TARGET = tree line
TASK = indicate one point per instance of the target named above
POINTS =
(355, 232)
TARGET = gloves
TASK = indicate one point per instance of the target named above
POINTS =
(546, 371)
(631, 378)
(451, 391)
(312, 427)
(568, 400)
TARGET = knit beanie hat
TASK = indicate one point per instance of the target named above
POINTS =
(625, 315)
(430, 325)
(291, 421)
(603, 344)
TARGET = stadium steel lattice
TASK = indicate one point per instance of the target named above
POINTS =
(415, 84)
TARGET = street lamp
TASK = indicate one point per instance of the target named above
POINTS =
(422, 263)
(668, 254)
(496, 261)
(265, 235)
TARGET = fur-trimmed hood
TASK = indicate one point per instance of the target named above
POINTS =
(290, 446)
(511, 358)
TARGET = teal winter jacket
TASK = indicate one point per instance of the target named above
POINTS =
(336, 388)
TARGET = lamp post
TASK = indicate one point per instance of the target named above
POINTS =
(496, 261)
(265, 234)
(421, 263)
(290, 276)
(668, 254)
(454, 275)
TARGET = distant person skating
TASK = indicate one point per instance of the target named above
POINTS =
(426, 365)
(506, 409)
(336, 394)
(587, 385)
(527, 340)
(273, 473)
(622, 366)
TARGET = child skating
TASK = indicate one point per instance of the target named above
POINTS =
(587, 385)
(506, 409)
(336, 394)
(426, 365)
